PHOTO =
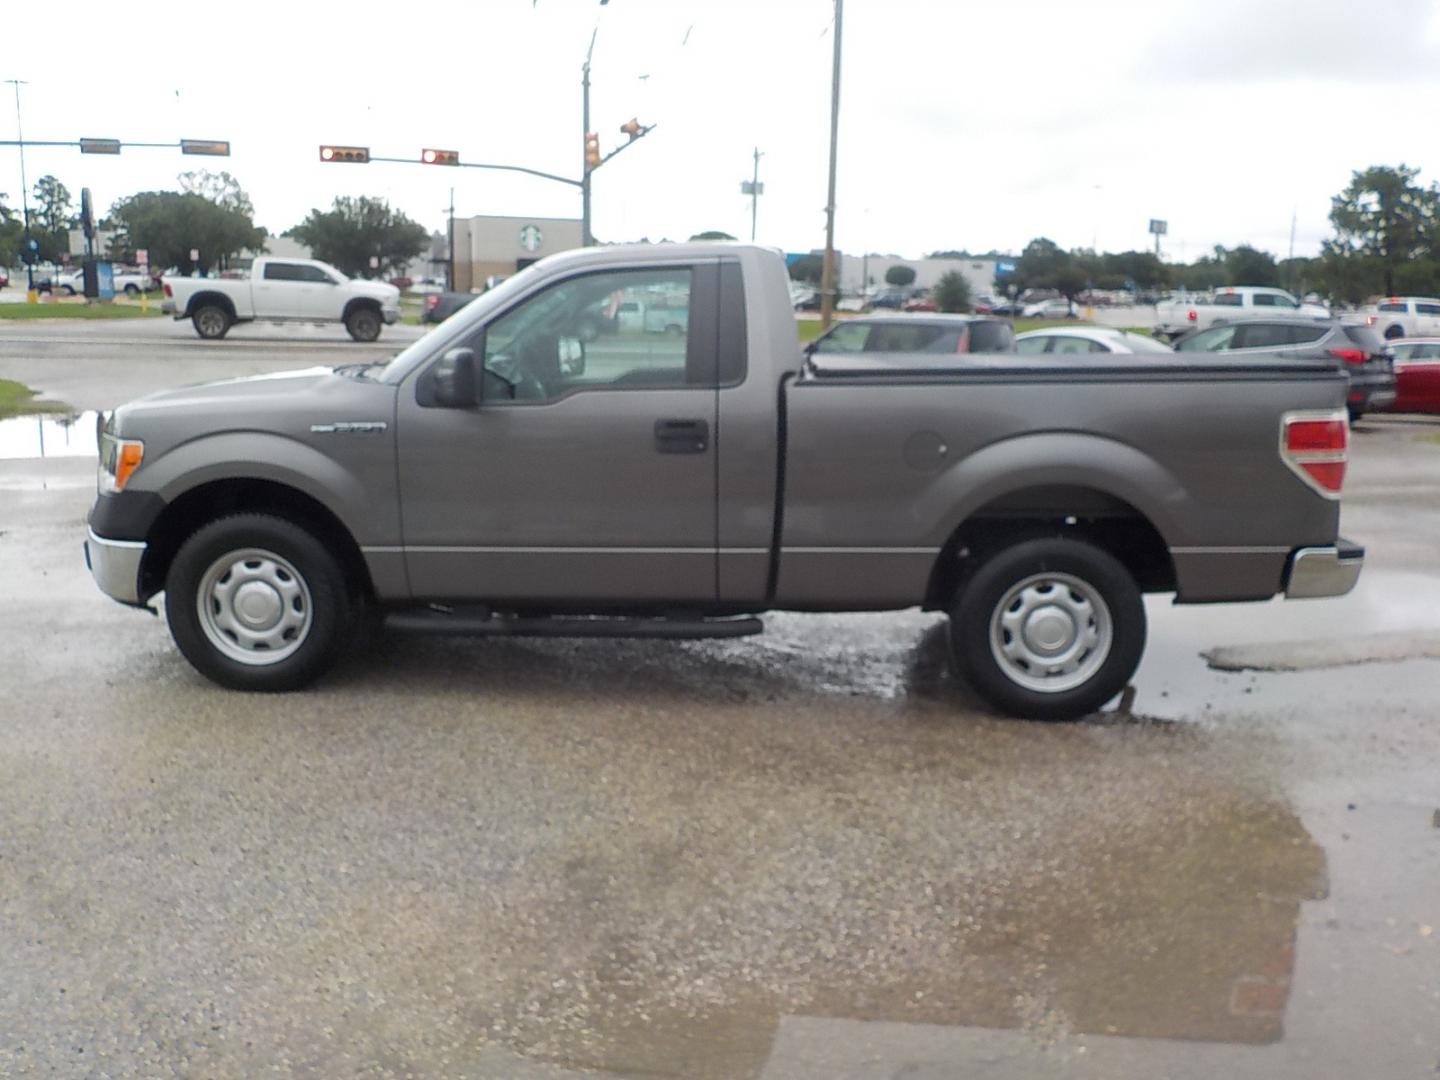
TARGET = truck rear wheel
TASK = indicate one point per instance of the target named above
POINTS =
(363, 324)
(211, 321)
(255, 602)
(1049, 629)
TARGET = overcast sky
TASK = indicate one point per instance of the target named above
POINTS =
(962, 125)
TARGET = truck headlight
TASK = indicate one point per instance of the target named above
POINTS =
(118, 459)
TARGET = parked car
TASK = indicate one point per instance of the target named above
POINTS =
(438, 307)
(920, 302)
(132, 282)
(893, 299)
(1086, 339)
(283, 290)
(1050, 309)
(1404, 316)
(1417, 376)
(1363, 352)
(4, 277)
(916, 334)
(70, 282)
(1182, 315)
(275, 511)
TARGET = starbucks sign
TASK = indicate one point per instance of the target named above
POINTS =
(531, 238)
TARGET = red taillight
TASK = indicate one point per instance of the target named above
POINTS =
(1191, 316)
(432, 302)
(1316, 445)
(1350, 356)
(167, 290)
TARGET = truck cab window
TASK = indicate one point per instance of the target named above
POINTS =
(596, 332)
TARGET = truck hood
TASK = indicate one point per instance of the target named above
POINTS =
(285, 402)
(388, 295)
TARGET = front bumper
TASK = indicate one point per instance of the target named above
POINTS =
(1324, 571)
(115, 566)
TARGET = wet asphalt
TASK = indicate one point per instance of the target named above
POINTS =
(810, 853)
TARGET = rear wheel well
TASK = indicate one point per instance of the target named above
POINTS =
(202, 505)
(1078, 513)
(211, 299)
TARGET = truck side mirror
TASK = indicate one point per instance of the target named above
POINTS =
(454, 377)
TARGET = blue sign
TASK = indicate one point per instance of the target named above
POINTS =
(1002, 267)
(34, 245)
(105, 279)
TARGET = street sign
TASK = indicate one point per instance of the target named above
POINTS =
(142, 256)
(374, 262)
(1158, 227)
(752, 187)
(194, 254)
(1004, 267)
(210, 147)
(100, 146)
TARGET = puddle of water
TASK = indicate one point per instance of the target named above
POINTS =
(52, 435)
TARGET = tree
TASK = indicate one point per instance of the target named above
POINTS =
(712, 234)
(1383, 216)
(1246, 266)
(355, 230)
(900, 276)
(171, 223)
(12, 234)
(50, 220)
(220, 188)
(1039, 265)
(952, 292)
(808, 268)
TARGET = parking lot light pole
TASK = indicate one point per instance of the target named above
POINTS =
(827, 276)
(24, 198)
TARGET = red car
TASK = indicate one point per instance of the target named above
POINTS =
(1417, 376)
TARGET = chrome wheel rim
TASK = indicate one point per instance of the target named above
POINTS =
(212, 323)
(254, 607)
(1051, 633)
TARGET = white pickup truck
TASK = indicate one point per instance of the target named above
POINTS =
(283, 290)
(1404, 316)
(1181, 315)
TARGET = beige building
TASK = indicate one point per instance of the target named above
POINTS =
(486, 246)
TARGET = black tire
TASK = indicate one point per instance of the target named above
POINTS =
(1393, 332)
(211, 321)
(1081, 579)
(363, 324)
(299, 606)
(132, 290)
(69, 290)
(1355, 413)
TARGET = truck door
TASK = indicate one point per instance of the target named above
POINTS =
(587, 473)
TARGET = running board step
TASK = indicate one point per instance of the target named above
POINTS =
(571, 626)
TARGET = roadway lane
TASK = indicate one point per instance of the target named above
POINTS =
(95, 364)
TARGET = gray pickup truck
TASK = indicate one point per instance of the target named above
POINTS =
(503, 475)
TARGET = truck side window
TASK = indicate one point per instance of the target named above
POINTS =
(1229, 300)
(1265, 300)
(845, 338)
(277, 271)
(1399, 307)
(595, 332)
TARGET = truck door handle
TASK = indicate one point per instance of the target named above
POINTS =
(682, 436)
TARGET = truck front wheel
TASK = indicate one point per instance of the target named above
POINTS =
(1049, 629)
(363, 324)
(255, 602)
(211, 321)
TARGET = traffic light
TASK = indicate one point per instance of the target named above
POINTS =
(632, 128)
(592, 149)
(440, 157)
(358, 155)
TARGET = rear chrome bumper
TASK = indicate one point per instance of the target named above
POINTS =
(115, 566)
(1324, 571)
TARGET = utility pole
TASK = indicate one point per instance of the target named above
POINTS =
(585, 238)
(450, 246)
(24, 197)
(827, 277)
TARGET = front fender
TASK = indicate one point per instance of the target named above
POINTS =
(360, 492)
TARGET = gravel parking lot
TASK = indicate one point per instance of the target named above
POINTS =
(805, 854)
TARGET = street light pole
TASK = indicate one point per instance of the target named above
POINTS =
(24, 197)
(586, 240)
(827, 277)
(755, 194)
